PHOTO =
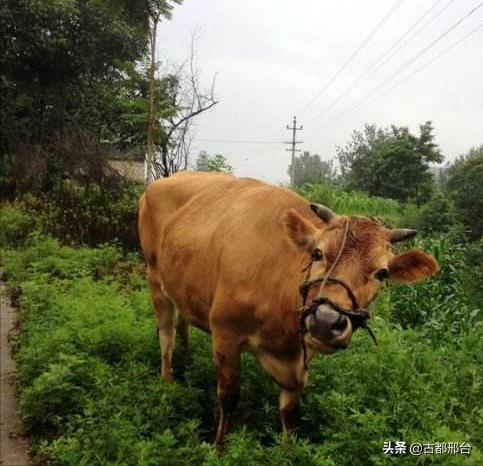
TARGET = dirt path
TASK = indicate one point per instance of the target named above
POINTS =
(13, 451)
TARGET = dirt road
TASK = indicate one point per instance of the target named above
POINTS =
(13, 451)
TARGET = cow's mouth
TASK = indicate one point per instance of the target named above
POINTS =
(331, 329)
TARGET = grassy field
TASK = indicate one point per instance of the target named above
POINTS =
(89, 383)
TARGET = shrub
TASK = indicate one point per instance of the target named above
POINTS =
(464, 187)
(59, 392)
(438, 215)
(89, 215)
(15, 225)
(45, 255)
(473, 271)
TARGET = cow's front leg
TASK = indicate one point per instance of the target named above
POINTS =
(291, 376)
(289, 404)
(226, 355)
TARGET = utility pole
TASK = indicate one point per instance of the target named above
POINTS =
(293, 149)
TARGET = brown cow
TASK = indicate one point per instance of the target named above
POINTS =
(228, 255)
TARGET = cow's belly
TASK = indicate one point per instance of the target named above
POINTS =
(189, 305)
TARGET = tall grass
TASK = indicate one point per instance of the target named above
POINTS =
(441, 308)
(358, 203)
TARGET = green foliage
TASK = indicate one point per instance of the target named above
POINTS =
(60, 63)
(440, 307)
(465, 188)
(72, 70)
(88, 214)
(312, 169)
(474, 268)
(212, 163)
(438, 215)
(60, 391)
(359, 203)
(127, 124)
(90, 394)
(45, 255)
(15, 225)
(391, 163)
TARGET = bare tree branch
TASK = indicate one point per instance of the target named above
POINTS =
(190, 100)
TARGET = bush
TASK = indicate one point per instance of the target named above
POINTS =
(438, 216)
(15, 225)
(89, 215)
(473, 271)
(464, 187)
(44, 255)
(59, 392)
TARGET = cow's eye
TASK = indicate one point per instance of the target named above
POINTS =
(317, 254)
(382, 274)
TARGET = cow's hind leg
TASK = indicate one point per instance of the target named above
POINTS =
(226, 355)
(184, 329)
(166, 317)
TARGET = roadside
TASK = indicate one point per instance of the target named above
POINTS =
(13, 451)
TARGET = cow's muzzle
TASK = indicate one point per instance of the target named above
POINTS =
(330, 326)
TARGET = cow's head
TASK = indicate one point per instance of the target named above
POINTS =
(358, 251)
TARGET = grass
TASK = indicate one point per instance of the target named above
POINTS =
(358, 203)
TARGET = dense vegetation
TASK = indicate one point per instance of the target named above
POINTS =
(88, 363)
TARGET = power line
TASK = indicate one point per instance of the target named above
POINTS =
(415, 33)
(372, 67)
(233, 141)
(385, 18)
(411, 75)
(425, 65)
(391, 77)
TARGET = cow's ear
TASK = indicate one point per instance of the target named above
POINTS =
(412, 266)
(300, 230)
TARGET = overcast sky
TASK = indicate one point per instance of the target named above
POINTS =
(274, 57)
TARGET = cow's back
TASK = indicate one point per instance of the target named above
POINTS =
(225, 246)
(163, 198)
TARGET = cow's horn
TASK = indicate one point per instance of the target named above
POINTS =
(324, 213)
(401, 234)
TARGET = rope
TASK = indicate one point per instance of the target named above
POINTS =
(334, 264)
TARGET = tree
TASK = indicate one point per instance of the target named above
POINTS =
(391, 163)
(212, 163)
(155, 10)
(465, 188)
(312, 169)
(185, 99)
(62, 64)
(174, 99)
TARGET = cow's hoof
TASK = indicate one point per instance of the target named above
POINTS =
(168, 378)
(288, 439)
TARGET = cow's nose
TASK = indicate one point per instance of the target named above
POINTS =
(327, 323)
